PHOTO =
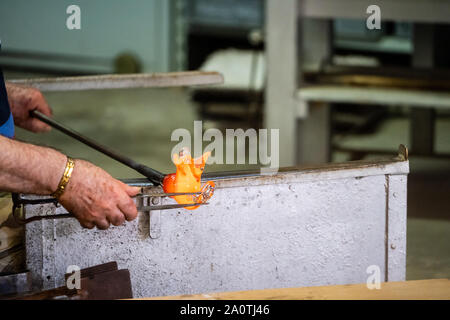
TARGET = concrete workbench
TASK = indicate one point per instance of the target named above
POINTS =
(310, 226)
(435, 289)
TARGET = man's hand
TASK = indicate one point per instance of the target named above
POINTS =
(97, 199)
(22, 100)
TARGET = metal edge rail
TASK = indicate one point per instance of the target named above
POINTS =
(125, 81)
(402, 156)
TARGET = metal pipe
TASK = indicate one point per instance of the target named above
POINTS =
(154, 176)
(124, 81)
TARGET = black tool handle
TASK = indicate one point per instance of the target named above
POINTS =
(154, 176)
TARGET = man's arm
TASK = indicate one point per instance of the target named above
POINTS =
(29, 169)
(92, 195)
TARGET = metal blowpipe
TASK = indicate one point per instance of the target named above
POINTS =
(153, 175)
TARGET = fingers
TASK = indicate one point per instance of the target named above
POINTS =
(132, 191)
(126, 204)
(87, 224)
(102, 224)
(38, 126)
(116, 218)
(24, 99)
(124, 211)
(38, 102)
(33, 99)
(97, 199)
(128, 208)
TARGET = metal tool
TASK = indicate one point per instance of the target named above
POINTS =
(153, 175)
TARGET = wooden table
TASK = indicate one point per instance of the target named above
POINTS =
(436, 289)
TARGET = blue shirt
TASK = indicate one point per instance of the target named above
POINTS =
(6, 118)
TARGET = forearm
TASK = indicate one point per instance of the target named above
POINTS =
(26, 168)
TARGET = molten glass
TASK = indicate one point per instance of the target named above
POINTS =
(188, 179)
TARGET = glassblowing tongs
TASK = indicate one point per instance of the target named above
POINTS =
(153, 204)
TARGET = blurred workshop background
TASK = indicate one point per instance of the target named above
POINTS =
(337, 90)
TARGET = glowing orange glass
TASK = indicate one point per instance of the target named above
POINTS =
(188, 179)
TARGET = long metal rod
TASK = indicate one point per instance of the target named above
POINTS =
(154, 176)
(21, 221)
(125, 81)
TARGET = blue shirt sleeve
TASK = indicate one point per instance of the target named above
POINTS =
(6, 118)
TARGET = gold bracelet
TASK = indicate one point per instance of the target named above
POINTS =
(65, 178)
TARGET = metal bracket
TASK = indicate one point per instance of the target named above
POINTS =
(145, 202)
(144, 205)
(153, 203)
(155, 218)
